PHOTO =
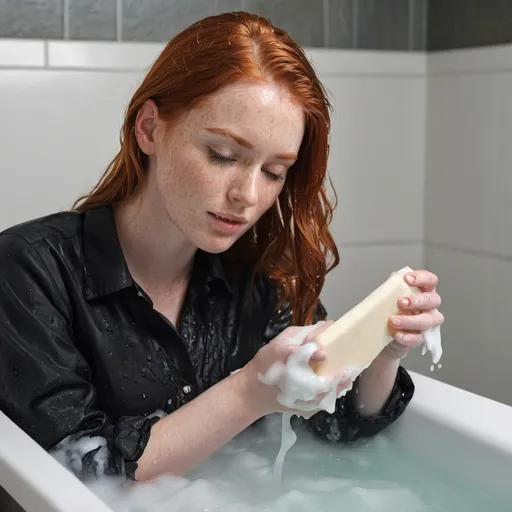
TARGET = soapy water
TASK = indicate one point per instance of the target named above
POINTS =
(307, 475)
(367, 476)
(241, 478)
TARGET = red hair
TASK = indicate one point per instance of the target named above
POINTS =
(291, 243)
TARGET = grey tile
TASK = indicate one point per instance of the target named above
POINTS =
(160, 20)
(383, 25)
(340, 26)
(31, 18)
(468, 23)
(230, 5)
(302, 19)
(418, 27)
(92, 19)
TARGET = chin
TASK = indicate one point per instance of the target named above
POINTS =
(215, 244)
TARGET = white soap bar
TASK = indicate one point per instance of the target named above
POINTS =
(358, 337)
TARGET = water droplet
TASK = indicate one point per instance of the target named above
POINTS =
(144, 396)
(439, 366)
(169, 401)
(122, 388)
(110, 353)
(149, 358)
(125, 375)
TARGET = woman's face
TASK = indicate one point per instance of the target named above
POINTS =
(224, 163)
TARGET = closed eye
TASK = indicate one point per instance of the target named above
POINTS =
(218, 158)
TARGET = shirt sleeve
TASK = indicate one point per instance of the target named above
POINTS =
(45, 382)
(346, 424)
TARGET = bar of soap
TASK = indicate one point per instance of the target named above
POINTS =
(357, 338)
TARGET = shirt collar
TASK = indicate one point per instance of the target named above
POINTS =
(106, 270)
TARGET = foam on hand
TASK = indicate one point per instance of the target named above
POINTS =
(299, 385)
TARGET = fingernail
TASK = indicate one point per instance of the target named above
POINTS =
(399, 336)
(396, 321)
(411, 278)
(406, 302)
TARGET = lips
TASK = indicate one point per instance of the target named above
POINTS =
(232, 219)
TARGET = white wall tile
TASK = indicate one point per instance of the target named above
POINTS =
(108, 55)
(477, 343)
(377, 157)
(468, 162)
(16, 53)
(362, 268)
(63, 130)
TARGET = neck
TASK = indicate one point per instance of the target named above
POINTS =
(157, 253)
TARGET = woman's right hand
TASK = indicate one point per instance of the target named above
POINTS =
(263, 397)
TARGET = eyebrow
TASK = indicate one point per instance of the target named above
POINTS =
(246, 144)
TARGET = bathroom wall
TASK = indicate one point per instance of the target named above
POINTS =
(362, 24)
(457, 24)
(468, 240)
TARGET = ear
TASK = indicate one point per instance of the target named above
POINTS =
(146, 123)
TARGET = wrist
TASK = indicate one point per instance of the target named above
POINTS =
(387, 359)
(393, 352)
(246, 390)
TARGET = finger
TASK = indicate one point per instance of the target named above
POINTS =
(319, 355)
(423, 279)
(419, 322)
(409, 339)
(313, 334)
(423, 301)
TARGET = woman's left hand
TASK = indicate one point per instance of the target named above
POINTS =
(417, 313)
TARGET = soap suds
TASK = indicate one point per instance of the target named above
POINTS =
(370, 475)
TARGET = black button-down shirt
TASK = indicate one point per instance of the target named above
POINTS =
(83, 352)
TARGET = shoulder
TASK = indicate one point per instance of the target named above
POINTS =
(35, 246)
(57, 226)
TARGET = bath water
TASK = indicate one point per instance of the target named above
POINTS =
(370, 475)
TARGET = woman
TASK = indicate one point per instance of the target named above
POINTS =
(204, 243)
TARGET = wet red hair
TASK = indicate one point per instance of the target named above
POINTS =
(291, 243)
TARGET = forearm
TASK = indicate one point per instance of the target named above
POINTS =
(375, 385)
(194, 432)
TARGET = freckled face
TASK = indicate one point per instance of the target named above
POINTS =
(224, 163)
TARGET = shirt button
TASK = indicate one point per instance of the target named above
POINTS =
(187, 389)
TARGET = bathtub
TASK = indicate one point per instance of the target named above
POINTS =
(458, 431)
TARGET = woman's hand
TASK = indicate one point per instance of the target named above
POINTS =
(418, 313)
(264, 396)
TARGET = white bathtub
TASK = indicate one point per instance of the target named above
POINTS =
(459, 431)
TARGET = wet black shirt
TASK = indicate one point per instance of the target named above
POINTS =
(82, 351)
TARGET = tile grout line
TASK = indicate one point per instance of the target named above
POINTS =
(46, 54)
(326, 23)
(355, 25)
(65, 13)
(469, 252)
(412, 13)
(119, 20)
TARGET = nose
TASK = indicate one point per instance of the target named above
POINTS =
(244, 189)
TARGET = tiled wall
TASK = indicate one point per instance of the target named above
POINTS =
(454, 24)
(468, 214)
(357, 24)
